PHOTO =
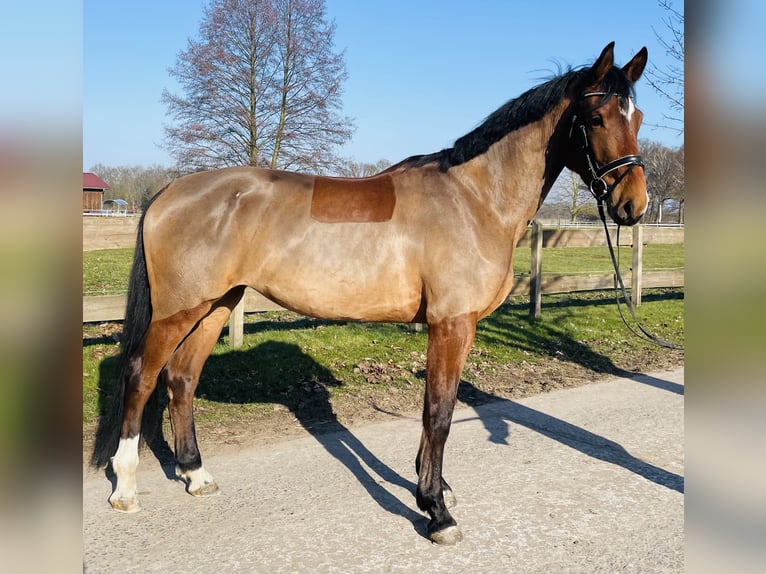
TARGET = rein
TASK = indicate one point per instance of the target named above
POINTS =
(601, 190)
(642, 333)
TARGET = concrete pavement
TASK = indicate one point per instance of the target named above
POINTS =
(584, 480)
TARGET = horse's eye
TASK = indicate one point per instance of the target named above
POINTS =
(597, 121)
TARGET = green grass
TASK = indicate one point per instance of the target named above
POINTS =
(563, 260)
(283, 353)
(106, 272)
(287, 359)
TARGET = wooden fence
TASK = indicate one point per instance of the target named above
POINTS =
(537, 238)
(108, 232)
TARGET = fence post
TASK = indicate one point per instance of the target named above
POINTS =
(536, 271)
(638, 256)
(237, 324)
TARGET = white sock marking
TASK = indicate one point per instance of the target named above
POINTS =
(124, 464)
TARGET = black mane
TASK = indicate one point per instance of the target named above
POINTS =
(529, 107)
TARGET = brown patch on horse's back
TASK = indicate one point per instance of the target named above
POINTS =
(365, 200)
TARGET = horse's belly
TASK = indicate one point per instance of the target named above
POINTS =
(342, 282)
(326, 298)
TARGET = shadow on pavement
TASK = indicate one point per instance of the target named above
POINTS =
(303, 386)
(496, 412)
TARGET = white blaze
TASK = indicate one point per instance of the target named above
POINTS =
(629, 112)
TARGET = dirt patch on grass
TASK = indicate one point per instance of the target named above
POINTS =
(485, 381)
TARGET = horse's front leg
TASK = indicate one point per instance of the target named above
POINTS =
(449, 341)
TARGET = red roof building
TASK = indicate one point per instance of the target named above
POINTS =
(92, 182)
(93, 192)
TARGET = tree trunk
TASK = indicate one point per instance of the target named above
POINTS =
(280, 133)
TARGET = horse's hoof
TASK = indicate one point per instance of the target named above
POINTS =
(199, 482)
(209, 489)
(447, 536)
(126, 505)
(450, 500)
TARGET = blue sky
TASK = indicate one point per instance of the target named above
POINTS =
(421, 72)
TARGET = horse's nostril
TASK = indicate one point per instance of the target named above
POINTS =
(628, 207)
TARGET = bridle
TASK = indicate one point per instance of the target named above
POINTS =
(598, 187)
(601, 190)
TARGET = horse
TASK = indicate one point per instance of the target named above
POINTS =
(429, 240)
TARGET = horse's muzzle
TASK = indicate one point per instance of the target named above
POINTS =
(625, 214)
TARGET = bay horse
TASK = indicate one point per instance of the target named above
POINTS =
(428, 240)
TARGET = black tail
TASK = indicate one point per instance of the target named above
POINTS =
(138, 315)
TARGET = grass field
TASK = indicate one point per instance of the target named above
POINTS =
(294, 362)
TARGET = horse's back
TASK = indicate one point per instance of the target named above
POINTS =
(329, 247)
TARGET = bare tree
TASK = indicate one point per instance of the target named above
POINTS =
(310, 87)
(680, 182)
(664, 180)
(570, 199)
(135, 184)
(262, 87)
(361, 169)
(669, 80)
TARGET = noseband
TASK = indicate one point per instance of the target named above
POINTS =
(598, 187)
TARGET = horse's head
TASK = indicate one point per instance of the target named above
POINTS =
(604, 136)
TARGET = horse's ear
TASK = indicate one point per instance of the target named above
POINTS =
(636, 66)
(603, 64)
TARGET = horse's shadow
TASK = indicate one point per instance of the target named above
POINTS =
(303, 386)
(541, 337)
(495, 414)
(295, 380)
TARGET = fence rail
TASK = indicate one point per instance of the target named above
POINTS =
(100, 308)
(112, 307)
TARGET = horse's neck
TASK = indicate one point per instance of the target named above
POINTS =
(517, 172)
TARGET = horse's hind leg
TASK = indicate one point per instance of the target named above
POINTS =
(182, 376)
(162, 337)
(448, 344)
